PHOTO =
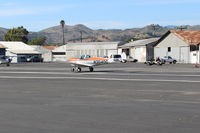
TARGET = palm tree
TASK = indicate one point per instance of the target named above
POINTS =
(62, 23)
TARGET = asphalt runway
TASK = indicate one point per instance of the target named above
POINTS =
(115, 98)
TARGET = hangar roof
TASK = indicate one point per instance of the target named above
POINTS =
(142, 42)
(24, 51)
(50, 47)
(88, 45)
(190, 37)
(60, 49)
(18, 47)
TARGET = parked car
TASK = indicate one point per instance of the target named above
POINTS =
(168, 59)
(34, 59)
(131, 59)
(116, 58)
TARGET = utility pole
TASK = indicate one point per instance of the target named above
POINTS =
(154, 26)
(81, 36)
(181, 28)
(73, 38)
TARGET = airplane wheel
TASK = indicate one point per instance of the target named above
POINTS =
(78, 69)
(91, 69)
(8, 64)
(73, 69)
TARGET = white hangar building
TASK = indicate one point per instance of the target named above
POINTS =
(97, 49)
(179, 44)
(141, 50)
(18, 51)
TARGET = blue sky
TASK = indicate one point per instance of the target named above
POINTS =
(36, 15)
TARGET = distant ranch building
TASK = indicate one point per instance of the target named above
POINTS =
(98, 49)
(179, 44)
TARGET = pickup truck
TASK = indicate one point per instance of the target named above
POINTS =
(131, 59)
(168, 59)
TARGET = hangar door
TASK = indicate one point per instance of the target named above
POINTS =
(140, 54)
(184, 55)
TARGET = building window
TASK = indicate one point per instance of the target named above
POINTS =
(58, 53)
(169, 49)
(194, 47)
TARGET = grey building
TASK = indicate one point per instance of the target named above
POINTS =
(97, 49)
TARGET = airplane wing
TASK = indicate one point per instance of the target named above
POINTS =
(90, 62)
(81, 64)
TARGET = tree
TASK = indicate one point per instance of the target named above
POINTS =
(17, 34)
(38, 41)
(62, 23)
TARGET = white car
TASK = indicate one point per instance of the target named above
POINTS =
(116, 58)
(168, 59)
(131, 59)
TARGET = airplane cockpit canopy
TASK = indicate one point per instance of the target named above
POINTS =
(85, 56)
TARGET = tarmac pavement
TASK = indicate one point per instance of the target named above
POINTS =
(115, 98)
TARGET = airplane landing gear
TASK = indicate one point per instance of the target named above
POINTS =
(91, 69)
(73, 69)
(76, 69)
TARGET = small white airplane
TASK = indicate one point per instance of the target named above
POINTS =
(86, 61)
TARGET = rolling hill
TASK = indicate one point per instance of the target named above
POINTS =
(73, 33)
